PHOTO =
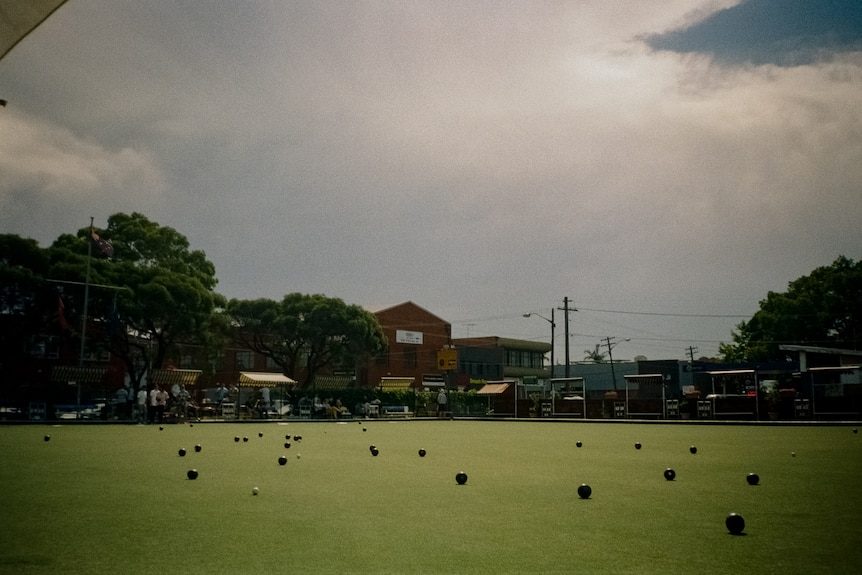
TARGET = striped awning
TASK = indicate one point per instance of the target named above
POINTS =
(395, 383)
(76, 374)
(262, 379)
(493, 388)
(167, 378)
(332, 382)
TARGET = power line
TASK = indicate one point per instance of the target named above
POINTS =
(666, 314)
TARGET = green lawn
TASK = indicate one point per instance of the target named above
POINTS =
(115, 499)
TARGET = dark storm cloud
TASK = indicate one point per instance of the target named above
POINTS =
(780, 32)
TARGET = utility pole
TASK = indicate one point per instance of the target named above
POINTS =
(566, 309)
(691, 352)
(611, 359)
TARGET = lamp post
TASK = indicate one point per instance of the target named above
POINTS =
(553, 328)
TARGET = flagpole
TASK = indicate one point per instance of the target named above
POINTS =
(86, 293)
(86, 305)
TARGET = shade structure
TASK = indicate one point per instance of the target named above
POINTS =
(395, 383)
(19, 17)
(493, 388)
(332, 382)
(262, 379)
(75, 374)
(168, 378)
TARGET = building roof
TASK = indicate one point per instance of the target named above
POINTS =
(261, 379)
(503, 342)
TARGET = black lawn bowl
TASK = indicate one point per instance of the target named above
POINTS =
(375, 452)
(421, 453)
(260, 434)
(245, 439)
(372, 447)
(638, 445)
(297, 438)
(364, 429)
(579, 444)
(735, 524)
(198, 448)
(287, 437)
(192, 474)
(584, 491)
(236, 438)
(669, 474)
(287, 445)
(692, 449)
(282, 460)
(753, 479)
(161, 428)
(182, 452)
(47, 438)
(461, 478)
(855, 430)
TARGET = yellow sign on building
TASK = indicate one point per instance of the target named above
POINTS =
(447, 359)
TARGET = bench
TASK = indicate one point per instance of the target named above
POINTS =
(396, 411)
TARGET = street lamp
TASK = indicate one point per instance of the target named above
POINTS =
(553, 326)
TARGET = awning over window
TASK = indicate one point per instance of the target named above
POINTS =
(332, 382)
(395, 383)
(262, 379)
(72, 373)
(493, 388)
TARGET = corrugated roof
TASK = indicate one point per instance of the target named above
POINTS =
(261, 378)
(72, 373)
(172, 377)
(493, 388)
(395, 383)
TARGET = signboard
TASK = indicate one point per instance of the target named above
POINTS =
(447, 359)
(412, 337)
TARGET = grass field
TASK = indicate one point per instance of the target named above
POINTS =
(115, 499)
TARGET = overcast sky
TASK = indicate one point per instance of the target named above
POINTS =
(663, 164)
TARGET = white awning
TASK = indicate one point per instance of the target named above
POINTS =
(262, 379)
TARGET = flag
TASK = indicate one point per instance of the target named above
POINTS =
(61, 314)
(102, 245)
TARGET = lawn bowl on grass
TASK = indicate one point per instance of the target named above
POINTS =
(752, 479)
(669, 474)
(192, 474)
(404, 515)
(460, 478)
(735, 524)
(584, 491)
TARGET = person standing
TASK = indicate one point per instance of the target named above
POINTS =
(154, 403)
(161, 404)
(264, 399)
(141, 405)
(441, 403)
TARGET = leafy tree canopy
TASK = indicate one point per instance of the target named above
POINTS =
(823, 308)
(153, 291)
(304, 334)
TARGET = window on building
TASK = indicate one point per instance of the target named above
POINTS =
(244, 360)
(410, 357)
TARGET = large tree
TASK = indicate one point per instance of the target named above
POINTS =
(304, 334)
(152, 293)
(823, 308)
